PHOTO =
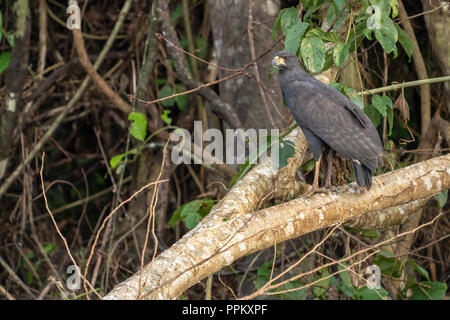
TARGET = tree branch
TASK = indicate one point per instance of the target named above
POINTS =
(233, 229)
(96, 78)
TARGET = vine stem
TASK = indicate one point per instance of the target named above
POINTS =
(405, 85)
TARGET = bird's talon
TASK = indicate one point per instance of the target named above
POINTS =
(331, 189)
(315, 190)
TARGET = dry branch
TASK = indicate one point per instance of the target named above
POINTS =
(95, 77)
(224, 235)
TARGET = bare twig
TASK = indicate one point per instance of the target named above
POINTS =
(59, 119)
(59, 232)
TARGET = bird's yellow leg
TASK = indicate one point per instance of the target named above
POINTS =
(316, 173)
(315, 186)
(329, 171)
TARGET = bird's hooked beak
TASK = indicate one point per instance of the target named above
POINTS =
(278, 62)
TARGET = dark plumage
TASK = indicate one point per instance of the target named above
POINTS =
(327, 117)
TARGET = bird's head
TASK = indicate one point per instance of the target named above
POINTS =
(284, 60)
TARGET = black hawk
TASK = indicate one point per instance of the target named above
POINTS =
(329, 119)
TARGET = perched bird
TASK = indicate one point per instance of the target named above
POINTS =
(328, 118)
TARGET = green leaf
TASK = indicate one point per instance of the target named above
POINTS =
(389, 145)
(175, 217)
(300, 294)
(191, 213)
(263, 274)
(429, 290)
(190, 208)
(390, 112)
(294, 36)
(441, 198)
(336, 85)
(312, 7)
(354, 96)
(5, 59)
(340, 53)
(373, 115)
(387, 101)
(333, 13)
(345, 276)
(115, 160)
(387, 34)
(419, 269)
(349, 291)
(339, 4)
(138, 127)
(394, 6)
(328, 60)
(202, 46)
(286, 150)
(166, 118)
(365, 293)
(118, 158)
(325, 36)
(379, 104)
(308, 166)
(388, 265)
(164, 92)
(289, 18)
(192, 220)
(276, 26)
(405, 41)
(368, 33)
(265, 270)
(10, 38)
(321, 287)
(177, 13)
(313, 53)
(390, 118)
(357, 35)
(48, 247)
(181, 100)
(371, 234)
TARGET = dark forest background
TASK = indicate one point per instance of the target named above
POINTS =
(72, 139)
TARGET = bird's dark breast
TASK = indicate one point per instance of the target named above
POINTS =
(334, 119)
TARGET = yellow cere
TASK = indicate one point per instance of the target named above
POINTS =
(280, 60)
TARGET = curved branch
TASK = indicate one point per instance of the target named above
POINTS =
(96, 78)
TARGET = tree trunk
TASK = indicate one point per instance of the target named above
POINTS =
(231, 41)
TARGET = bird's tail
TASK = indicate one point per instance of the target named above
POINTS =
(362, 174)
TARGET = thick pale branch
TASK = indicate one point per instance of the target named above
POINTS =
(217, 241)
(383, 219)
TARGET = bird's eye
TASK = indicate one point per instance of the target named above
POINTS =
(286, 58)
